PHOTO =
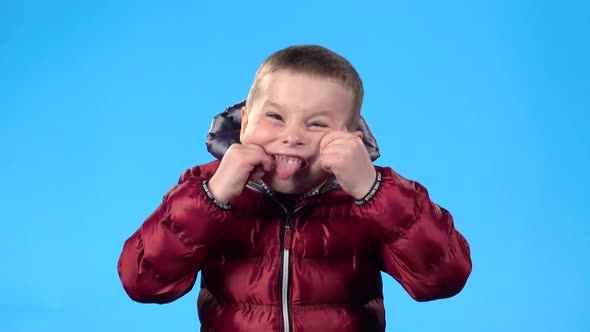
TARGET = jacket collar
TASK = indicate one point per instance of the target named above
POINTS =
(331, 184)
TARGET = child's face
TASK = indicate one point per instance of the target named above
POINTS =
(289, 117)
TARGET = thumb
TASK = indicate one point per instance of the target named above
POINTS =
(257, 173)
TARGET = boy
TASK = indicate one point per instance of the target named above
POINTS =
(293, 226)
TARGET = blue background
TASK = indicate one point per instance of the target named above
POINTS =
(104, 103)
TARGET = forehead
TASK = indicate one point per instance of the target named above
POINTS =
(304, 92)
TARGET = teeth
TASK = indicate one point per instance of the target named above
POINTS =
(289, 160)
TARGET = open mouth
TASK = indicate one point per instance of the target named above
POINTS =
(289, 160)
(286, 166)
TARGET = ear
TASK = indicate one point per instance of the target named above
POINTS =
(244, 124)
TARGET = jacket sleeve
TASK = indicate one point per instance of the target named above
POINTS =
(420, 246)
(160, 261)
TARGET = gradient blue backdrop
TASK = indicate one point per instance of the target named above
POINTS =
(104, 103)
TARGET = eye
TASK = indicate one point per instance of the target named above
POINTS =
(274, 116)
(318, 125)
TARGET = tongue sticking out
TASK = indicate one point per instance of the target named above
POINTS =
(286, 166)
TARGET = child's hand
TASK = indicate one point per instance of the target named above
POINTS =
(241, 162)
(343, 154)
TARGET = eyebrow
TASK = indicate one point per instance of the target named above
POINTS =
(271, 103)
(278, 106)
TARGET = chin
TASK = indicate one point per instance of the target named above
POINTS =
(285, 186)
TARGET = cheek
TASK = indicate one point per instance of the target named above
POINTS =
(249, 137)
(245, 135)
(257, 134)
(315, 163)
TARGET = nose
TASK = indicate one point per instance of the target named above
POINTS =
(292, 136)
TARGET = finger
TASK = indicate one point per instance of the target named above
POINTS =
(331, 150)
(263, 161)
(342, 144)
(337, 154)
(256, 174)
(331, 136)
(359, 134)
(260, 157)
(327, 162)
(266, 162)
(254, 147)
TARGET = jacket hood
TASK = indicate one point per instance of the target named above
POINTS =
(225, 131)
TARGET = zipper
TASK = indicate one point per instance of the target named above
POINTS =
(285, 290)
(285, 284)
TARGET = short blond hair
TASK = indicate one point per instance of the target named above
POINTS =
(317, 61)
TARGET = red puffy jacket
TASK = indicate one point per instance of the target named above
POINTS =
(313, 268)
